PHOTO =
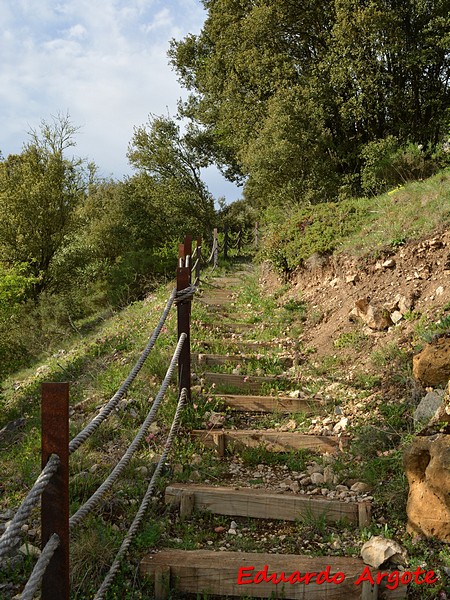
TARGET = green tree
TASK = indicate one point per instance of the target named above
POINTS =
(168, 166)
(40, 190)
(290, 94)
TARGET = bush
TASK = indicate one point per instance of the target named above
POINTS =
(289, 239)
(388, 164)
(137, 272)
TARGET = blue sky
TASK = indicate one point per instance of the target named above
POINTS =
(104, 62)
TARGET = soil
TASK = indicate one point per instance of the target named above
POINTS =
(418, 270)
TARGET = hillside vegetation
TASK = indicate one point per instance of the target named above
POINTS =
(308, 314)
(334, 118)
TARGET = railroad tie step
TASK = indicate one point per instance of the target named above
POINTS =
(264, 575)
(264, 504)
(273, 441)
(269, 404)
(221, 359)
(243, 382)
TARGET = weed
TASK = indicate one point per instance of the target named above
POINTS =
(366, 381)
(431, 331)
(92, 551)
(295, 461)
(353, 339)
(390, 354)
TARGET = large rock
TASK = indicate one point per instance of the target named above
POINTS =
(427, 466)
(428, 406)
(375, 317)
(378, 550)
(440, 421)
(432, 366)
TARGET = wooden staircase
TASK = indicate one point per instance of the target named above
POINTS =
(240, 574)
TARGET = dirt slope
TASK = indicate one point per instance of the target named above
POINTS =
(417, 270)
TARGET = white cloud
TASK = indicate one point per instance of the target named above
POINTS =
(104, 62)
(162, 19)
(77, 32)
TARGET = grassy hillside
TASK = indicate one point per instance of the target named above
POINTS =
(368, 377)
(358, 226)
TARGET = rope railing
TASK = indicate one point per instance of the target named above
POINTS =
(79, 439)
(145, 501)
(10, 537)
(213, 251)
(57, 537)
(35, 580)
(54, 394)
(99, 494)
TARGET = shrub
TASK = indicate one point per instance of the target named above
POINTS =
(292, 236)
(387, 164)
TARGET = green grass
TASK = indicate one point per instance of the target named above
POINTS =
(360, 226)
(98, 361)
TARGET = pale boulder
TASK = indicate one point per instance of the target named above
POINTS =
(431, 367)
(427, 466)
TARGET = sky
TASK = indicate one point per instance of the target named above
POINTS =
(103, 62)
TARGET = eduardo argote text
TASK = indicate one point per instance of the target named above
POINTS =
(392, 579)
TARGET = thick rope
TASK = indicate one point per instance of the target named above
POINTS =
(10, 537)
(108, 408)
(186, 294)
(211, 256)
(97, 496)
(35, 580)
(195, 265)
(144, 505)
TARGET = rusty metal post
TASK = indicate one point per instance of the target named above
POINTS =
(55, 498)
(239, 242)
(184, 316)
(199, 261)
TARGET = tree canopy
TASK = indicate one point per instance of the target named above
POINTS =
(40, 190)
(290, 93)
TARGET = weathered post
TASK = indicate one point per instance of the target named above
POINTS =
(225, 242)
(216, 248)
(239, 241)
(55, 498)
(184, 315)
(256, 234)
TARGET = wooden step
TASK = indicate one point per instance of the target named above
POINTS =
(247, 383)
(228, 574)
(277, 404)
(261, 504)
(251, 346)
(274, 441)
(217, 298)
(235, 359)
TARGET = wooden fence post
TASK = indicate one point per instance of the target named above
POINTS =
(256, 234)
(184, 315)
(55, 498)
(216, 248)
(225, 242)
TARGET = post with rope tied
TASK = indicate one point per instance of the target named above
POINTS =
(184, 314)
(55, 498)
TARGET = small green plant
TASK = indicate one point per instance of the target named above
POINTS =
(351, 339)
(412, 315)
(438, 328)
(296, 461)
(366, 381)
